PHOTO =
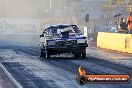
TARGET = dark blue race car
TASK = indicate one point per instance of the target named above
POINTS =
(60, 39)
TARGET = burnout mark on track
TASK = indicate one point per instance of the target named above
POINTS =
(1, 59)
(25, 77)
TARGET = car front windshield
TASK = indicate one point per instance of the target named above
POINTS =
(71, 29)
(56, 31)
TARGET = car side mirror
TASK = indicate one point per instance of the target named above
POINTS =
(42, 35)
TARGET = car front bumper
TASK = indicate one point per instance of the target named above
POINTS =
(66, 49)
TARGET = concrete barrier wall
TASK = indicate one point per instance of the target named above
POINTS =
(115, 41)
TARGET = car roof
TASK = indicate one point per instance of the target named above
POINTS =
(60, 26)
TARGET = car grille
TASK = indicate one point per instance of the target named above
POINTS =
(71, 42)
(60, 43)
(74, 42)
(68, 42)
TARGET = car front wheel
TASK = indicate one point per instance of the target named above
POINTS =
(84, 53)
(42, 54)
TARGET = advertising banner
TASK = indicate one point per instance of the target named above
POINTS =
(19, 26)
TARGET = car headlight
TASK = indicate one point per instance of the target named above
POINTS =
(81, 41)
(49, 43)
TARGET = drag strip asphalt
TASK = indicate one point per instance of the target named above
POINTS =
(32, 71)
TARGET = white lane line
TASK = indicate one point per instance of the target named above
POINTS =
(10, 77)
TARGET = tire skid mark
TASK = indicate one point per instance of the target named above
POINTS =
(27, 79)
(112, 65)
(72, 67)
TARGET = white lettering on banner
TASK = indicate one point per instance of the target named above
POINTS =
(19, 26)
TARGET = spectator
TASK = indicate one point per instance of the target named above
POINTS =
(121, 20)
(113, 27)
(123, 26)
(129, 22)
(118, 24)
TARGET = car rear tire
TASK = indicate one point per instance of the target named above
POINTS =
(77, 55)
(84, 54)
(42, 54)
